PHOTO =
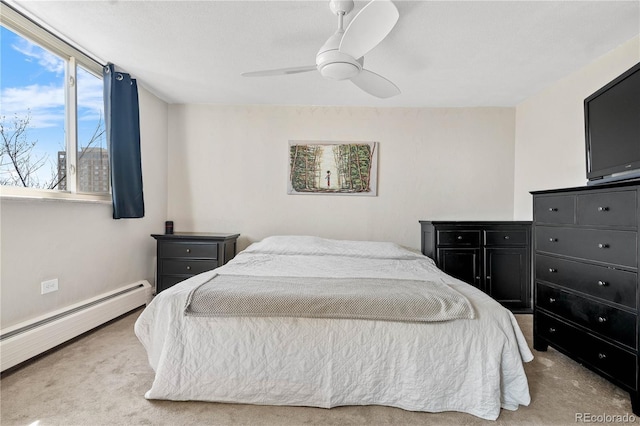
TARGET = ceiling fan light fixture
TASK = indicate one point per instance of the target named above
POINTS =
(339, 70)
(336, 65)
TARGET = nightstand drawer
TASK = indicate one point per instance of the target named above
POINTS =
(609, 284)
(505, 238)
(615, 247)
(617, 324)
(614, 362)
(608, 209)
(164, 282)
(189, 249)
(459, 238)
(186, 267)
(558, 209)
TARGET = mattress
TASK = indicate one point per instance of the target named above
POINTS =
(473, 366)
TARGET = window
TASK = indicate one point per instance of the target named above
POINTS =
(51, 115)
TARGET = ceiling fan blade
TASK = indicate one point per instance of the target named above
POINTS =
(375, 84)
(280, 71)
(369, 27)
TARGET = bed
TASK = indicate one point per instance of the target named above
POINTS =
(469, 360)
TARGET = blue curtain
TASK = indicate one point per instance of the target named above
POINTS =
(122, 119)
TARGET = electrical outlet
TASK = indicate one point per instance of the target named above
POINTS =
(49, 286)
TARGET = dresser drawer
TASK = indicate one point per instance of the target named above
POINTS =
(558, 209)
(613, 361)
(608, 209)
(605, 283)
(505, 238)
(189, 249)
(459, 238)
(611, 322)
(615, 247)
(186, 267)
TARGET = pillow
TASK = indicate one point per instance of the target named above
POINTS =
(316, 246)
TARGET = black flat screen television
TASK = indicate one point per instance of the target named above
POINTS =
(612, 130)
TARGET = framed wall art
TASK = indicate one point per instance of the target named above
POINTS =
(336, 168)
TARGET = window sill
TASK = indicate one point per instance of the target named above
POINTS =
(16, 193)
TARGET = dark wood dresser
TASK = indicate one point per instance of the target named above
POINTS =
(586, 278)
(185, 254)
(493, 256)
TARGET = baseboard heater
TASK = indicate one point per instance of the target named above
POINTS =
(28, 339)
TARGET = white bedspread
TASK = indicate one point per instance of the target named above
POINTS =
(468, 365)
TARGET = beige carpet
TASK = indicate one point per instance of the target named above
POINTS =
(100, 379)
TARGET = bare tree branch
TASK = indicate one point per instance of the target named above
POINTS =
(19, 165)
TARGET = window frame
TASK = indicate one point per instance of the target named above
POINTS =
(27, 28)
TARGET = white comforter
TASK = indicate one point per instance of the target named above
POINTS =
(468, 365)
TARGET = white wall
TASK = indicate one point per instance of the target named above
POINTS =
(229, 164)
(550, 144)
(79, 243)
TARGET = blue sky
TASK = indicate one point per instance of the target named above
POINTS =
(32, 80)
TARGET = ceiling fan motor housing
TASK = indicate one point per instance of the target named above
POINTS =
(341, 6)
(334, 64)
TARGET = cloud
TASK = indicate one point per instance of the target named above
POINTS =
(44, 103)
(90, 96)
(44, 58)
(45, 100)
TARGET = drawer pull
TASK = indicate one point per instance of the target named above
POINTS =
(602, 356)
(188, 268)
(459, 237)
(603, 209)
(552, 300)
(506, 237)
(603, 245)
(602, 283)
(188, 250)
(602, 320)
(553, 240)
(553, 270)
(553, 209)
(552, 330)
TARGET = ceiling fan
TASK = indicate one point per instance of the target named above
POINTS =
(341, 57)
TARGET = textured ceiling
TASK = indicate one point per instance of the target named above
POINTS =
(440, 53)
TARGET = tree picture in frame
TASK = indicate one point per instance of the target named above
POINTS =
(337, 168)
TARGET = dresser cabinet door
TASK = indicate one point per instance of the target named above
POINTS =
(507, 276)
(461, 263)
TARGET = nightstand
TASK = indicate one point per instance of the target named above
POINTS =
(184, 254)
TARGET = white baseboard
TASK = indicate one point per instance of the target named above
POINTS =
(28, 339)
